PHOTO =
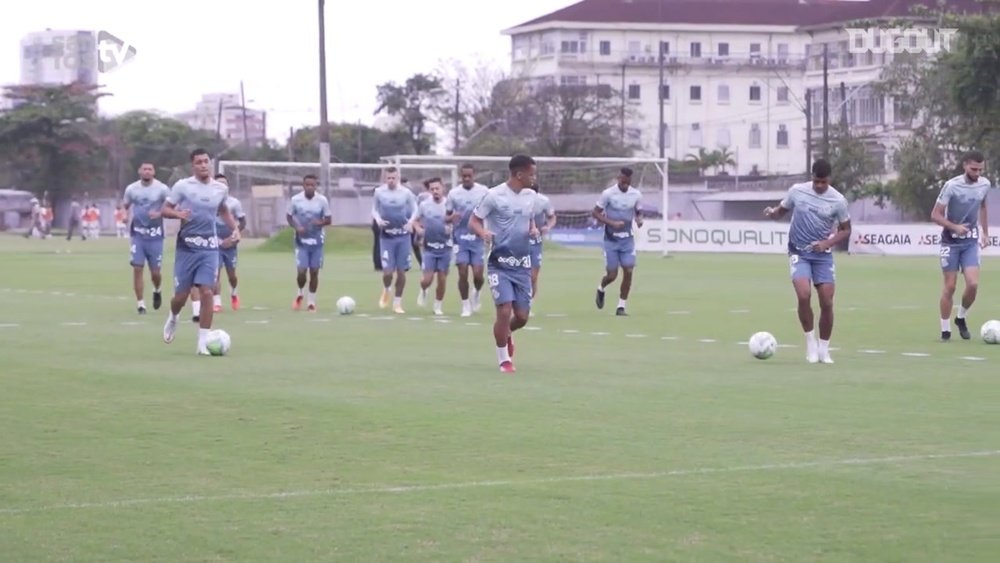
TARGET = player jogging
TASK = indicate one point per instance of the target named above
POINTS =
(431, 225)
(545, 219)
(228, 251)
(196, 201)
(393, 208)
(616, 209)
(145, 198)
(504, 219)
(961, 211)
(308, 214)
(469, 248)
(816, 209)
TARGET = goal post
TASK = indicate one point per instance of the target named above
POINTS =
(574, 184)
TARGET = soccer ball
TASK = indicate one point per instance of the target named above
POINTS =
(218, 342)
(345, 305)
(990, 332)
(763, 345)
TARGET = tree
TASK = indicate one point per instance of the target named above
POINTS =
(724, 159)
(855, 170)
(412, 103)
(163, 141)
(51, 140)
(350, 143)
(465, 109)
(702, 160)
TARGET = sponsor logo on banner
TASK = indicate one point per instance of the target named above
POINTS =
(905, 240)
(714, 236)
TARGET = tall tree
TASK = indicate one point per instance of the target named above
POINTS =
(465, 109)
(413, 103)
(855, 170)
(163, 141)
(350, 143)
(51, 139)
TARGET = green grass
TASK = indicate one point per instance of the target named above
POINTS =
(359, 438)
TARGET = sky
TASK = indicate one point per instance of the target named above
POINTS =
(186, 48)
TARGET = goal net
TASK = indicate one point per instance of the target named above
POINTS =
(264, 188)
(574, 185)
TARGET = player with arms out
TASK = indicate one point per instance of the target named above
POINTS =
(393, 208)
(432, 226)
(504, 219)
(545, 220)
(469, 247)
(616, 209)
(817, 208)
(145, 198)
(961, 211)
(308, 213)
(228, 250)
(197, 201)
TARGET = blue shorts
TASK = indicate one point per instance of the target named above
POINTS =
(145, 251)
(619, 253)
(535, 251)
(509, 285)
(395, 253)
(958, 257)
(469, 252)
(228, 256)
(437, 260)
(818, 268)
(309, 257)
(195, 267)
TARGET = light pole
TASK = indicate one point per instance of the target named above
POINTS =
(324, 125)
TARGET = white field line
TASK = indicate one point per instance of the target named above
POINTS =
(398, 489)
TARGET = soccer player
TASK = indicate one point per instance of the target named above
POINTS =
(616, 209)
(961, 211)
(470, 248)
(196, 201)
(145, 198)
(504, 219)
(816, 209)
(415, 241)
(545, 215)
(228, 251)
(394, 208)
(308, 213)
(431, 224)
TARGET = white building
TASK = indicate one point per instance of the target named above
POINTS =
(59, 57)
(225, 114)
(735, 73)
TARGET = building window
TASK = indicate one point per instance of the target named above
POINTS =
(755, 136)
(723, 49)
(605, 48)
(755, 50)
(547, 47)
(723, 138)
(695, 50)
(782, 52)
(633, 136)
(634, 92)
(782, 137)
(664, 48)
(634, 47)
(696, 93)
(665, 92)
(694, 140)
(870, 111)
(755, 93)
(573, 80)
(723, 93)
(782, 94)
(570, 47)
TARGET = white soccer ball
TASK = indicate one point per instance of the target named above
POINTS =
(990, 332)
(763, 345)
(345, 305)
(218, 342)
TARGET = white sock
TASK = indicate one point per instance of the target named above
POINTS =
(465, 304)
(312, 298)
(811, 338)
(961, 312)
(621, 303)
(387, 287)
(945, 325)
(156, 290)
(233, 292)
(141, 304)
(301, 292)
(196, 308)
(600, 288)
(824, 346)
(437, 305)
(502, 355)
(173, 317)
(397, 301)
(217, 300)
(202, 337)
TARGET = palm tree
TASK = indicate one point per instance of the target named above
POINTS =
(702, 159)
(723, 159)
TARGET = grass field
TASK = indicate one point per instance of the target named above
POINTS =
(371, 438)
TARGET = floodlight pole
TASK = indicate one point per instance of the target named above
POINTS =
(324, 125)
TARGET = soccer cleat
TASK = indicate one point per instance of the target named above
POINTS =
(812, 356)
(466, 310)
(217, 308)
(476, 304)
(507, 367)
(311, 308)
(599, 299)
(235, 302)
(383, 301)
(398, 309)
(825, 358)
(422, 298)
(297, 304)
(963, 329)
(157, 300)
(203, 352)
(621, 312)
(438, 313)
(510, 347)
(141, 310)
(169, 329)
(195, 318)
(945, 335)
